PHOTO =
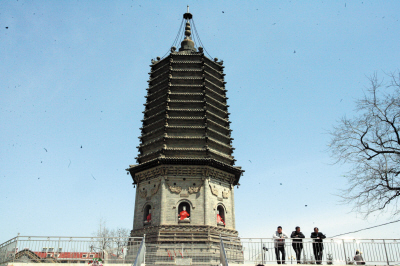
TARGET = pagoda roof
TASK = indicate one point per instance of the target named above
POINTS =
(186, 118)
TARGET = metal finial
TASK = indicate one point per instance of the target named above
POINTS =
(187, 29)
(187, 15)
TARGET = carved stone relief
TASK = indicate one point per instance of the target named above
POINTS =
(151, 173)
(155, 189)
(192, 190)
(184, 171)
(175, 189)
(184, 228)
(214, 190)
(217, 174)
(225, 193)
(142, 193)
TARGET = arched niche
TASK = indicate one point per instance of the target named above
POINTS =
(184, 208)
(147, 214)
(182, 201)
(221, 215)
(146, 204)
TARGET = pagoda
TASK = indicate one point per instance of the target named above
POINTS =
(185, 175)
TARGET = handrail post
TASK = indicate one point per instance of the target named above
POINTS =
(144, 244)
(344, 250)
(262, 252)
(58, 248)
(141, 253)
(222, 254)
(387, 258)
(15, 248)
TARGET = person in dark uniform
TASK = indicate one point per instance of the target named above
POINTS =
(297, 242)
(318, 246)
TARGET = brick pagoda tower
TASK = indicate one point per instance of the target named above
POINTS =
(185, 160)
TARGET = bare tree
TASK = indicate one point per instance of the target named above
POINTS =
(111, 241)
(370, 142)
(120, 240)
(104, 235)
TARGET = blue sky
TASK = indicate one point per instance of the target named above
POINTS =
(73, 76)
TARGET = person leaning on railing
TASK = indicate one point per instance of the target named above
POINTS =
(279, 243)
(297, 242)
(318, 247)
(358, 258)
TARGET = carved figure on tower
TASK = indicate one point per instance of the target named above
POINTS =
(219, 219)
(148, 218)
(184, 215)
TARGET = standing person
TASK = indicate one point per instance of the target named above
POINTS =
(297, 242)
(279, 243)
(318, 247)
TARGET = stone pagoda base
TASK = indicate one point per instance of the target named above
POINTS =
(188, 245)
(174, 234)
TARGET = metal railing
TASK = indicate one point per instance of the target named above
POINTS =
(120, 250)
(247, 251)
(334, 251)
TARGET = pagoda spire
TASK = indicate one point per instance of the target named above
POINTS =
(187, 44)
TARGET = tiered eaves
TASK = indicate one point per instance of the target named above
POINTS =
(186, 112)
(186, 118)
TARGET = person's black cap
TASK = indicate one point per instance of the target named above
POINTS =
(280, 227)
(297, 227)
